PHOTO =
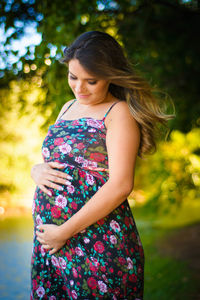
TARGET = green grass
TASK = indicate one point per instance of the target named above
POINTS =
(165, 277)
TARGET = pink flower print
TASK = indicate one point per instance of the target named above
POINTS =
(93, 123)
(85, 163)
(102, 286)
(105, 278)
(58, 141)
(115, 226)
(75, 273)
(78, 251)
(99, 247)
(40, 291)
(74, 205)
(92, 283)
(105, 237)
(70, 189)
(62, 263)
(95, 261)
(55, 212)
(71, 282)
(45, 152)
(91, 130)
(68, 255)
(33, 207)
(43, 251)
(86, 240)
(34, 283)
(65, 148)
(38, 220)
(122, 260)
(52, 298)
(133, 278)
(130, 263)
(74, 295)
(80, 146)
(61, 201)
(113, 240)
(92, 164)
(54, 261)
(89, 179)
(56, 155)
(93, 268)
(79, 159)
(75, 122)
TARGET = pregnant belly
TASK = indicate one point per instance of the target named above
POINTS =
(63, 204)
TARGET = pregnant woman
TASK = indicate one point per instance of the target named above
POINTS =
(86, 244)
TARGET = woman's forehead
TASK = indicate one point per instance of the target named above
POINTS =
(76, 69)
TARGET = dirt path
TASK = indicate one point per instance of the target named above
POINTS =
(184, 245)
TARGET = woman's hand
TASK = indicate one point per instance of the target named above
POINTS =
(44, 176)
(51, 237)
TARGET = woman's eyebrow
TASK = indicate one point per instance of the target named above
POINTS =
(92, 78)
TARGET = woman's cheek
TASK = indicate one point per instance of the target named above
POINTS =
(70, 84)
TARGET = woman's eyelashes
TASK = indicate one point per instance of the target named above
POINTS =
(90, 82)
(71, 77)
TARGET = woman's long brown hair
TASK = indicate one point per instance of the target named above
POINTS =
(101, 55)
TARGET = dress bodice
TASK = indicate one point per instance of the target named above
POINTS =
(80, 142)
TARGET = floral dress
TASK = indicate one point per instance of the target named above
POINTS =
(104, 261)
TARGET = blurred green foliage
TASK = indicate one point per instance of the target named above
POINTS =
(172, 175)
(20, 140)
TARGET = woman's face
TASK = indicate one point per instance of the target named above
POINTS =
(86, 88)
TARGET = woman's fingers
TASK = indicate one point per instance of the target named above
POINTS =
(47, 183)
(53, 251)
(58, 173)
(55, 164)
(40, 240)
(46, 247)
(52, 185)
(46, 177)
(53, 178)
(45, 190)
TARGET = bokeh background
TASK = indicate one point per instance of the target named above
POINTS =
(161, 40)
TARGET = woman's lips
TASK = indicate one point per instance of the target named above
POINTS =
(83, 96)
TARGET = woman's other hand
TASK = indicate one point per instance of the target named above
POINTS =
(50, 236)
(45, 176)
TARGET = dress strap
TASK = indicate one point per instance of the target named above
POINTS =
(109, 110)
(67, 108)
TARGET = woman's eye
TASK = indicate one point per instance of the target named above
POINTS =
(71, 77)
(92, 82)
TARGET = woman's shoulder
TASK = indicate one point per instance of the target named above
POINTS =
(120, 113)
(120, 110)
(67, 104)
(64, 107)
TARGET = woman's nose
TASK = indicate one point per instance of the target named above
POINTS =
(79, 87)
